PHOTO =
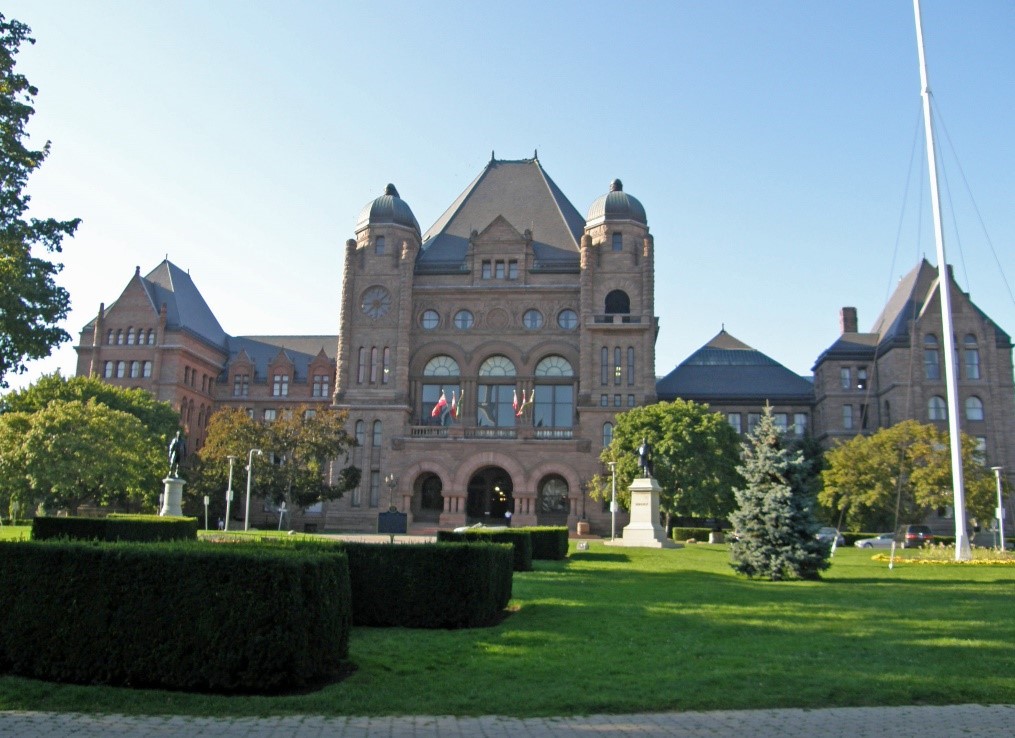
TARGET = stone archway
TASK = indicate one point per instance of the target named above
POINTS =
(490, 496)
(428, 500)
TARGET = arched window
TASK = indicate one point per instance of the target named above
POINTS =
(604, 366)
(375, 440)
(121, 369)
(109, 337)
(361, 372)
(553, 495)
(386, 365)
(432, 410)
(617, 302)
(931, 362)
(373, 365)
(147, 369)
(361, 434)
(135, 369)
(130, 336)
(496, 392)
(618, 371)
(554, 393)
(119, 338)
(379, 245)
(151, 336)
(936, 408)
(630, 365)
(607, 434)
(974, 408)
(108, 370)
(972, 352)
(618, 242)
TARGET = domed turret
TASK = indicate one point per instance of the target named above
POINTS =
(616, 205)
(388, 209)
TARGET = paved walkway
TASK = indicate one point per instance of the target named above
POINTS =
(844, 722)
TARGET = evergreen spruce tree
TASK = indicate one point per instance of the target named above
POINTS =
(773, 520)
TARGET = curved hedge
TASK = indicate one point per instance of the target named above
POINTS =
(427, 585)
(116, 528)
(198, 617)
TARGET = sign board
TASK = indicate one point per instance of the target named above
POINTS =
(392, 522)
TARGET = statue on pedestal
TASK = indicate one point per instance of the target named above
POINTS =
(645, 458)
(177, 453)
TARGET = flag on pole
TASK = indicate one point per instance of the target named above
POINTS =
(525, 403)
(514, 399)
(454, 406)
(439, 407)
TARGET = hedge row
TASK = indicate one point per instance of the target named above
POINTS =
(219, 618)
(520, 538)
(116, 528)
(442, 585)
(549, 543)
(686, 534)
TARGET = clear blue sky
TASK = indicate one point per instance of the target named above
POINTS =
(770, 142)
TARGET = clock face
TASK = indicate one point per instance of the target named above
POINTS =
(376, 301)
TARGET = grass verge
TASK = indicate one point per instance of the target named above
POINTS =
(629, 630)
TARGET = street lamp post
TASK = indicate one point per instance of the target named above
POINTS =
(229, 490)
(250, 466)
(613, 502)
(392, 481)
(1000, 503)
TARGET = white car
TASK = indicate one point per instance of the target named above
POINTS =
(882, 540)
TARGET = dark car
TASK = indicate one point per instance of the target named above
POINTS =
(913, 536)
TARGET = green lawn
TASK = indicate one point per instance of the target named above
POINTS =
(627, 630)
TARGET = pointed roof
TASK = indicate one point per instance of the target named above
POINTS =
(726, 369)
(185, 306)
(525, 196)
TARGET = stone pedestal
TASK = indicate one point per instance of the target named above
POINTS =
(644, 530)
(172, 500)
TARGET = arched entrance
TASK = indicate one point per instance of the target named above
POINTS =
(490, 496)
(430, 500)
(553, 504)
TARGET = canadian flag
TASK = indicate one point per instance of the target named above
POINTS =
(439, 407)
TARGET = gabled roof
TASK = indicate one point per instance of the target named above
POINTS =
(525, 196)
(726, 369)
(301, 350)
(906, 302)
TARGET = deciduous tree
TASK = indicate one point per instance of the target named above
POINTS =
(300, 448)
(31, 303)
(900, 475)
(72, 452)
(694, 455)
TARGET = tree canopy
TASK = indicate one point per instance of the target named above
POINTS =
(900, 475)
(300, 448)
(31, 303)
(694, 456)
(71, 452)
(774, 522)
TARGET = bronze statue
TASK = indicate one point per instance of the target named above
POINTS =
(177, 452)
(645, 457)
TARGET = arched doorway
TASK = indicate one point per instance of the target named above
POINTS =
(430, 500)
(490, 496)
(553, 503)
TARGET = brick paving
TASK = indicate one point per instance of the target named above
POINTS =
(844, 722)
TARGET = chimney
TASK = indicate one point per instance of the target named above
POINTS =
(847, 320)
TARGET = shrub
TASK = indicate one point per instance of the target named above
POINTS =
(520, 538)
(548, 543)
(442, 585)
(684, 534)
(199, 617)
(116, 528)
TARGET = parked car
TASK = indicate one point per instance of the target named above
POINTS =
(882, 540)
(830, 535)
(913, 536)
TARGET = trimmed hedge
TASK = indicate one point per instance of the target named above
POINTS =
(520, 538)
(196, 617)
(116, 528)
(685, 534)
(549, 543)
(435, 585)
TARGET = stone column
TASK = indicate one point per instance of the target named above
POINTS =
(644, 529)
(172, 500)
